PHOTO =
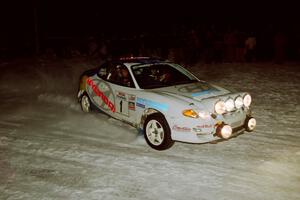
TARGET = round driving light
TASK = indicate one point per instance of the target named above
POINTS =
(251, 124)
(226, 131)
(247, 100)
(229, 104)
(220, 107)
(238, 102)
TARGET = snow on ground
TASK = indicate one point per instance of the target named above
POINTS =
(49, 149)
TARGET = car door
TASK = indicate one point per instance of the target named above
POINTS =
(100, 91)
(123, 89)
(110, 94)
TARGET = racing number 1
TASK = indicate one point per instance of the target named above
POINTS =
(121, 104)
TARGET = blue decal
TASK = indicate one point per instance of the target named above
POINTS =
(151, 104)
(203, 92)
(140, 105)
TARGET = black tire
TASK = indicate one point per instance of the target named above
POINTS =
(160, 137)
(85, 103)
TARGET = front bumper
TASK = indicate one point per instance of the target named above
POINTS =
(212, 132)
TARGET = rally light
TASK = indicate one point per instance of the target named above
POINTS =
(229, 105)
(239, 102)
(204, 114)
(220, 107)
(190, 113)
(250, 124)
(247, 100)
(224, 131)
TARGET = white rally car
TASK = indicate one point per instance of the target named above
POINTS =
(165, 101)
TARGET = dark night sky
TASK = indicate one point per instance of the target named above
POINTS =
(155, 14)
(77, 18)
(58, 15)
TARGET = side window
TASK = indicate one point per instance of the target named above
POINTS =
(120, 75)
(112, 75)
(102, 73)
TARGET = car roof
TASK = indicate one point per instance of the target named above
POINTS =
(140, 60)
(134, 61)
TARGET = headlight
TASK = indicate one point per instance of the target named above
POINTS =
(204, 114)
(247, 100)
(190, 113)
(226, 131)
(220, 107)
(239, 102)
(229, 104)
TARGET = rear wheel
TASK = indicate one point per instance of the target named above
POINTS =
(157, 132)
(85, 103)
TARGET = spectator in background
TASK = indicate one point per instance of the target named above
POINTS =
(92, 46)
(230, 42)
(192, 46)
(240, 49)
(218, 48)
(209, 46)
(250, 48)
(280, 43)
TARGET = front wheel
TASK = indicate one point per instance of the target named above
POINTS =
(157, 132)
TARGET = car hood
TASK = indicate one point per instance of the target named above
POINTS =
(197, 91)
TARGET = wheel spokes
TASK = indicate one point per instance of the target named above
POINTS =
(155, 132)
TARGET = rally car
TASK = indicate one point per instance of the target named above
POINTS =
(165, 101)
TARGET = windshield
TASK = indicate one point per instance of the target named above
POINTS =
(161, 75)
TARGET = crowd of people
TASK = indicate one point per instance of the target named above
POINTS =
(209, 44)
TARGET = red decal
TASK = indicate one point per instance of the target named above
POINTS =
(181, 129)
(204, 126)
(89, 81)
(101, 95)
(111, 106)
(131, 105)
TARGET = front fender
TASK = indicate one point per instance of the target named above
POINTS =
(166, 104)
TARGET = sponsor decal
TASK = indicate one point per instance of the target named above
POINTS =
(121, 95)
(181, 129)
(151, 104)
(140, 105)
(198, 129)
(204, 126)
(197, 89)
(103, 87)
(100, 94)
(203, 92)
(131, 105)
(131, 98)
